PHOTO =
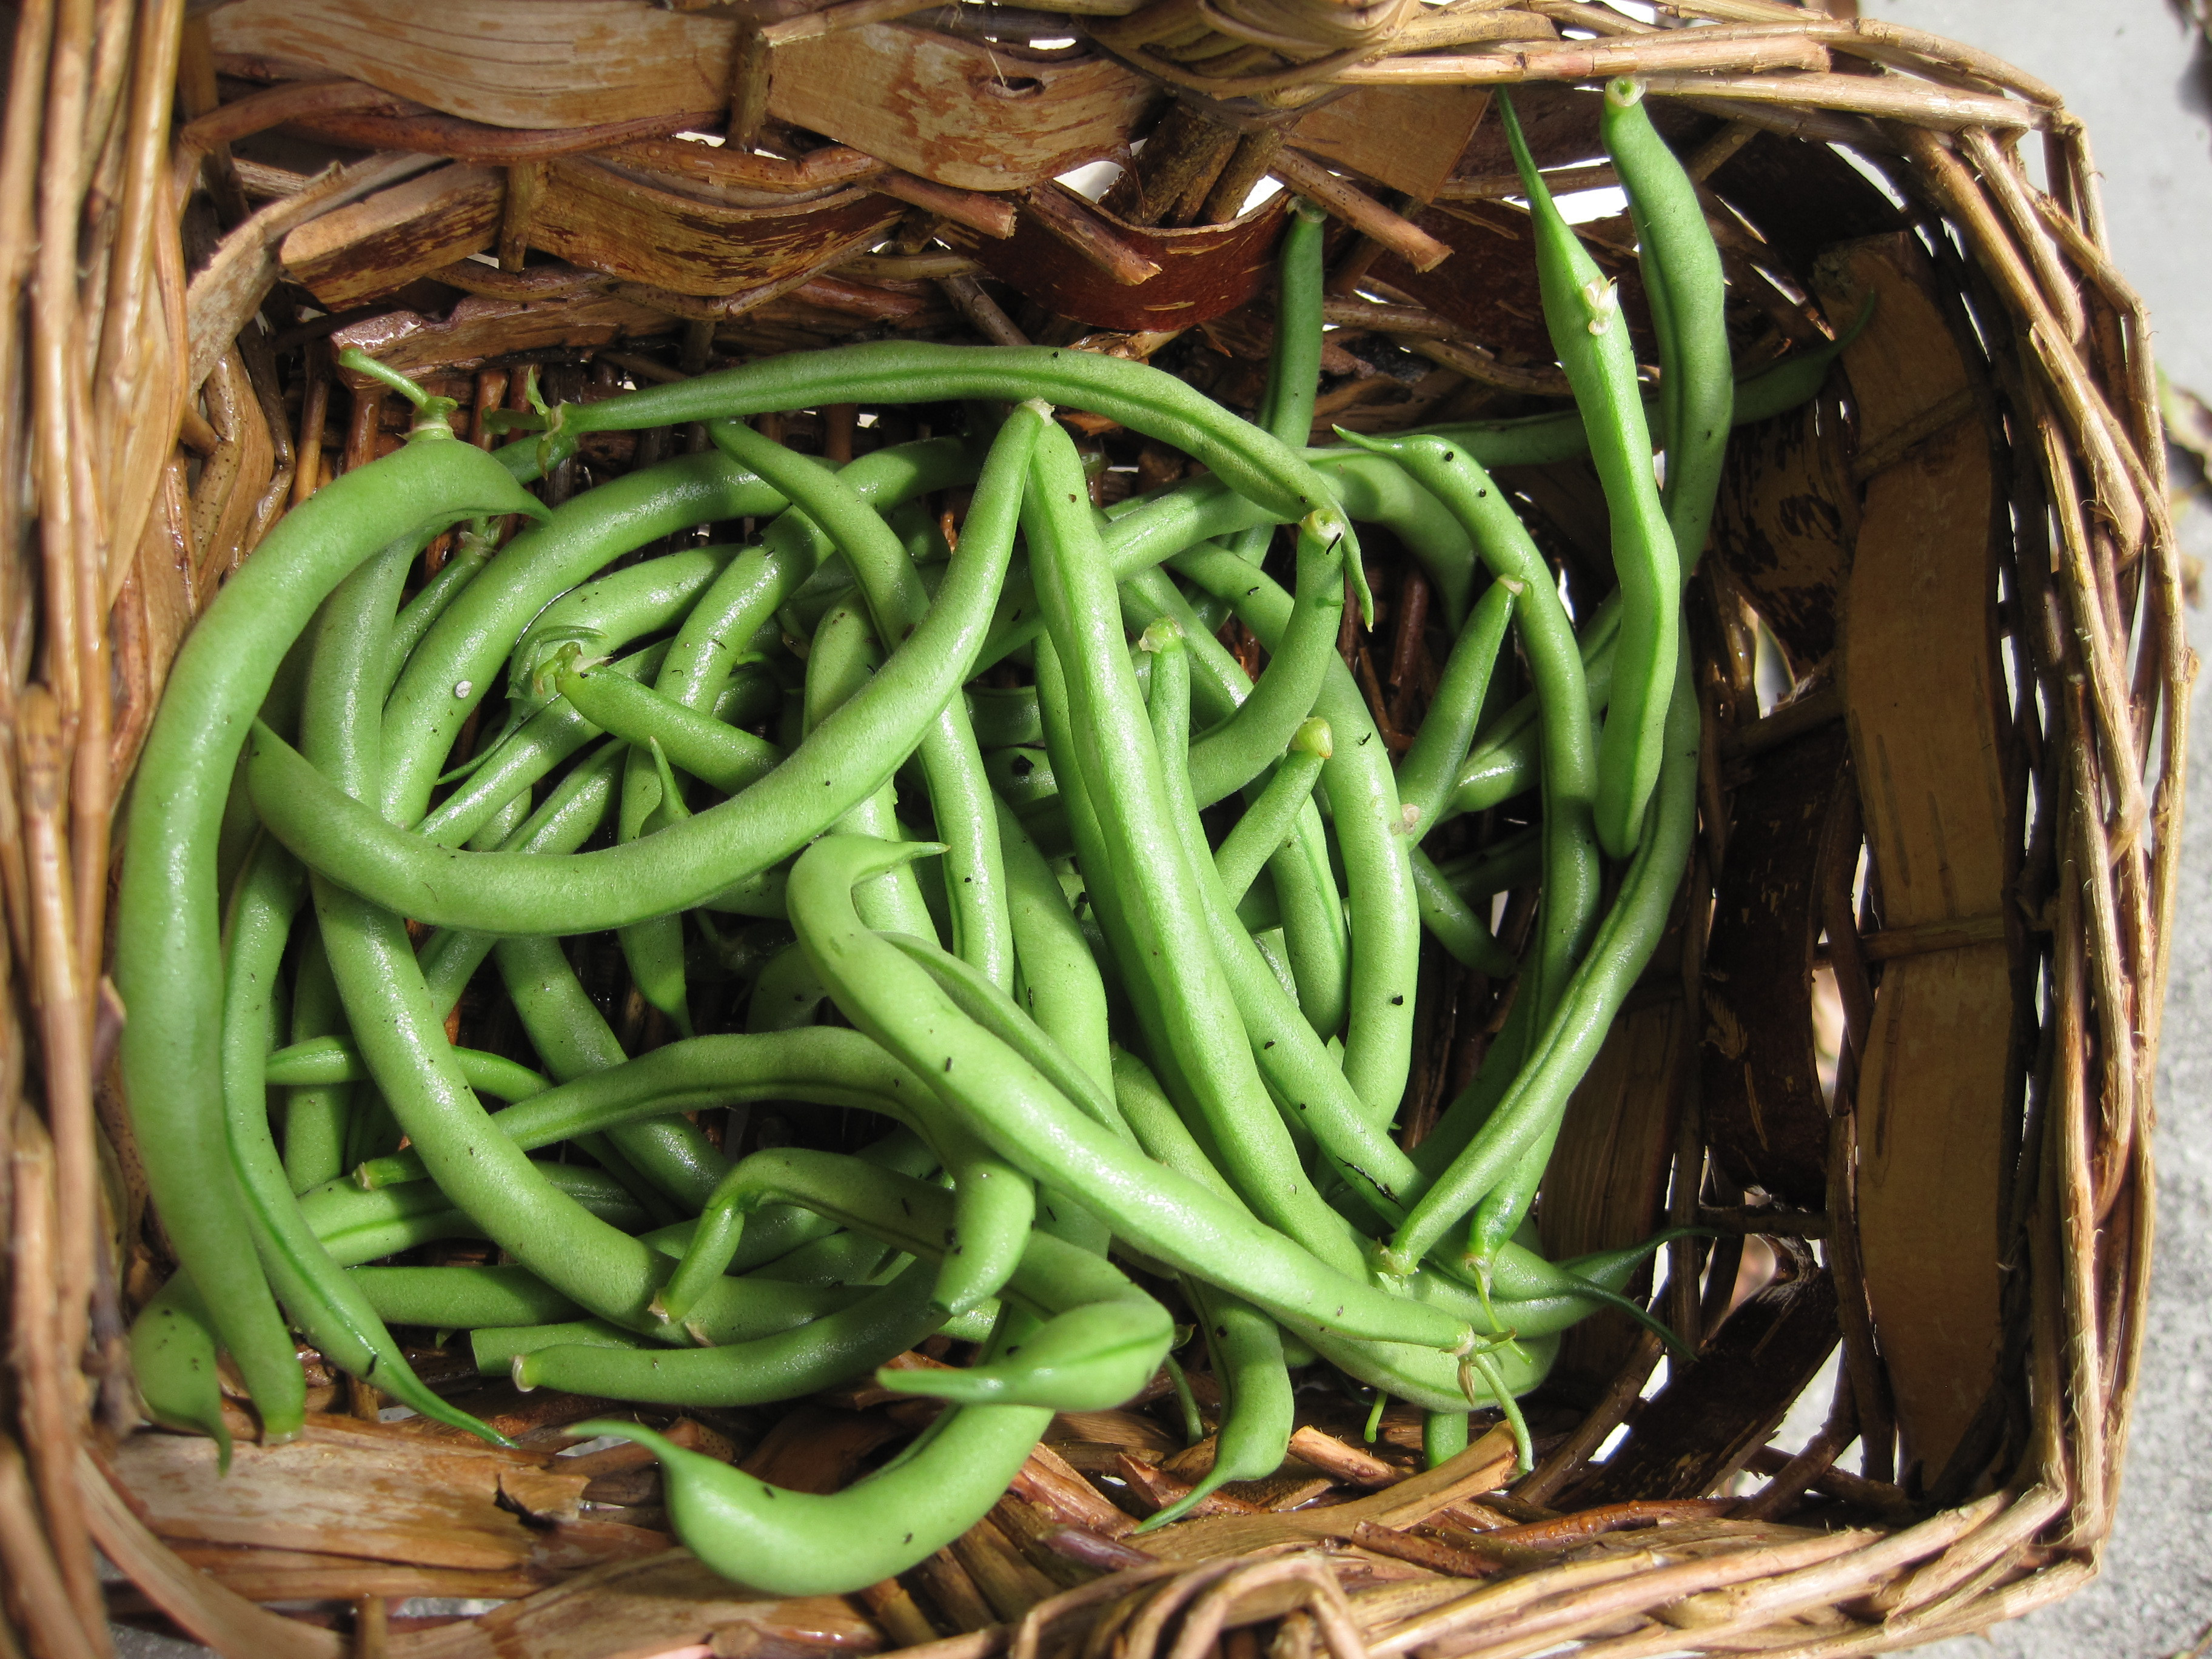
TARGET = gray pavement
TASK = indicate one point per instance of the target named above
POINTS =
(2125, 67)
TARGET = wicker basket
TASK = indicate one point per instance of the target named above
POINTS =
(1901, 1063)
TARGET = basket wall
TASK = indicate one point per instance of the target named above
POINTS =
(1938, 860)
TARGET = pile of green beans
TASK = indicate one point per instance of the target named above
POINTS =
(982, 838)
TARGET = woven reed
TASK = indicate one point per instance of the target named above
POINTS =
(145, 446)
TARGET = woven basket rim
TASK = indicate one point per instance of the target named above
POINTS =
(1942, 121)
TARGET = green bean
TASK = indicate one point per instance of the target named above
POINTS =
(169, 967)
(1266, 825)
(1295, 1065)
(1286, 405)
(1022, 778)
(1141, 397)
(719, 755)
(320, 1299)
(1682, 276)
(1231, 754)
(1004, 1019)
(787, 1543)
(1061, 989)
(1259, 1408)
(1319, 943)
(460, 660)
(495, 1349)
(173, 1361)
(1170, 1218)
(1538, 440)
(1570, 1039)
(1581, 309)
(1516, 860)
(518, 760)
(315, 1112)
(1572, 776)
(471, 554)
(958, 791)
(331, 1060)
(1453, 923)
(600, 616)
(1425, 775)
(460, 1298)
(1004, 716)
(1102, 1341)
(356, 1226)
(844, 656)
(1192, 1017)
(842, 763)
(1363, 796)
(1503, 763)
(843, 1257)
(787, 996)
(572, 1037)
(820, 1354)
(745, 598)
(570, 816)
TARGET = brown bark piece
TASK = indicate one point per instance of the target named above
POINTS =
(563, 63)
(261, 1575)
(665, 231)
(1783, 526)
(374, 246)
(1205, 270)
(954, 110)
(1408, 137)
(1488, 285)
(1925, 691)
(402, 1502)
(633, 1609)
(1483, 1467)
(816, 1449)
(1760, 1088)
(477, 328)
(1048, 1481)
(1711, 1416)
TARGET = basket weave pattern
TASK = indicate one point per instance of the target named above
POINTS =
(1980, 731)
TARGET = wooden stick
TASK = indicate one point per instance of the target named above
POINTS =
(526, 189)
(970, 300)
(1887, 98)
(1683, 52)
(992, 216)
(1057, 209)
(35, 1580)
(854, 14)
(1359, 210)
(288, 101)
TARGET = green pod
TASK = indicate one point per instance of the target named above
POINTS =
(1569, 1040)
(1582, 309)
(1029, 1123)
(460, 1298)
(173, 1361)
(1681, 269)
(168, 955)
(842, 763)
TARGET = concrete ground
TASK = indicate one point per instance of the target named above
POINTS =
(2125, 67)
